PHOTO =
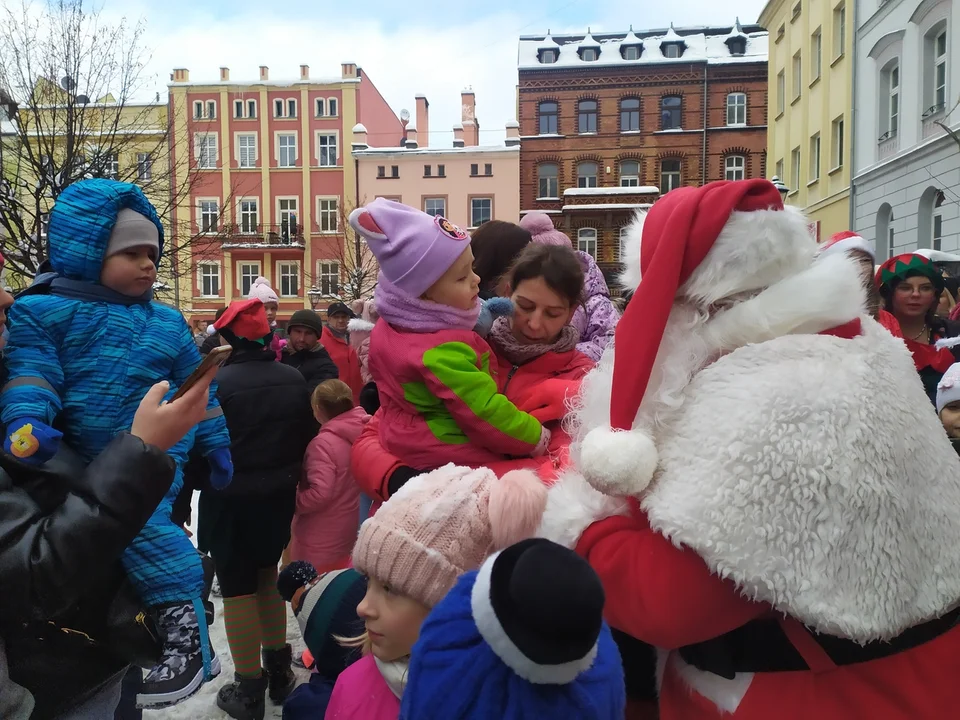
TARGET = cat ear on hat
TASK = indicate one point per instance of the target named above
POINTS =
(362, 221)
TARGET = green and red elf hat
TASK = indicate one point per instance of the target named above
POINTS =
(901, 267)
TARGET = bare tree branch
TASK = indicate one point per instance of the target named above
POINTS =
(357, 267)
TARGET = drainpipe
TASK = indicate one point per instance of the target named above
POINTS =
(853, 125)
(703, 149)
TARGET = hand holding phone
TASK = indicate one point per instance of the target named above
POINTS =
(215, 358)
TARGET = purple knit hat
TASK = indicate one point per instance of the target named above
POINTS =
(542, 231)
(413, 249)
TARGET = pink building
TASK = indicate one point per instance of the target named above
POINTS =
(468, 183)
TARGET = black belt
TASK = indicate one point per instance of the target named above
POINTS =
(762, 646)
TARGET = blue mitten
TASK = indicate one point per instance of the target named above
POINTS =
(492, 309)
(221, 468)
(31, 440)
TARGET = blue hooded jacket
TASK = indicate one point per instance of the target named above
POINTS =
(85, 354)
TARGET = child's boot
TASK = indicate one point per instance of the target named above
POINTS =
(243, 699)
(180, 672)
(278, 670)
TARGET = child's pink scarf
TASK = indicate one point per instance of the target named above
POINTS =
(410, 313)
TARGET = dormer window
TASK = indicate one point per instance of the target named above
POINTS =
(548, 57)
(589, 55)
(672, 50)
(630, 52)
(589, 49)
(738, 46)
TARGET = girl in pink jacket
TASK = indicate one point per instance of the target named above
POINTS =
(328, 500)
(439, 391)
(434, 529)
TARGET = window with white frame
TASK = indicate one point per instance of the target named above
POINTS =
(328, 214)
(940, 69)
(435, 206)
(206, 150)
(815, 158)
(891, 240)
(209, 279)
(839, 28)
(795, 168)
(198, 110)
(547, 180)
(144, 167)
(328, 277)
(288, 212)
(211, 110)
(208, 215)
(107, 165)
(670, 175)
(44, 225)
(332, 108)
(249, 212)
(587, 175)
(244, 109)
(797, 74)
(247, 272)
(238, 109)
(937, 240)
(890, 100)
(251, 108)
(935, 70)
(836, 152)
(247, 150)
(816, 54)
(327, 149)
(285, 108)
(481, 211)
(287, 150)
(291, 108)
(781, 92)
(778, 169)
(737, 108)
(587, 241)
(288, 274)
(278, 108)
(734, 167)
(629, 173)
(321, 107)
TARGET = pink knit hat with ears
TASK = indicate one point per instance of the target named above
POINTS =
(445, 523)
(413, 249)
(541, 228)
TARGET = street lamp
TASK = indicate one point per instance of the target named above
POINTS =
(315, 296)
(781, 188)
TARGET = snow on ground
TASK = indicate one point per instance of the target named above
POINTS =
(203, 705)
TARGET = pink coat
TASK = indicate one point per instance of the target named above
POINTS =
(361, 693)
(328, 500)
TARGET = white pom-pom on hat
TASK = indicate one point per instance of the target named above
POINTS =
(619, 463)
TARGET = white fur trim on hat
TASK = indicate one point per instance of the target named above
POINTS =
(359, 325)
(618, 462)
(573, 505)
(488, 624)
(853, 242)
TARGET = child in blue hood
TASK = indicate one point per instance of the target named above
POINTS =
(86, 343)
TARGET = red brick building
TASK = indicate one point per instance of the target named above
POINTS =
(610, 121)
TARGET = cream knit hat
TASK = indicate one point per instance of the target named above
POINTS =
(442, 524)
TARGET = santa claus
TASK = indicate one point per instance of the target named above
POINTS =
(761, 483)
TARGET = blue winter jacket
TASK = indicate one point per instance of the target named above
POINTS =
(86, 355)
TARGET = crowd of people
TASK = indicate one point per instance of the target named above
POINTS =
(456, 484)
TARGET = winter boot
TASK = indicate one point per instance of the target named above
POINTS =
(180, 672)
(277, 666)
(243, 698)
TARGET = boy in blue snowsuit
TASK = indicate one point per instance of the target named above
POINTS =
(86, 343)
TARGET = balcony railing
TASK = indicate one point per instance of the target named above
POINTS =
(244, 234)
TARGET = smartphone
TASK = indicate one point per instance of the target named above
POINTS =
(215, 358)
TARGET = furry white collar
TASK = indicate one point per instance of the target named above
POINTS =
(813, 472)
(395, 674)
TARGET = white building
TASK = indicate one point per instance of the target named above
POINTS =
(906, 166)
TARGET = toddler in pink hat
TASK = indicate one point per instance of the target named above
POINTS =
(431, 531)
(439, 392)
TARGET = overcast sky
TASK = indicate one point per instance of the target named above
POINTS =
(431, 47)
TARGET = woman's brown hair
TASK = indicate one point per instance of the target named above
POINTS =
(495, 246)
(334, 397)
(558, 265)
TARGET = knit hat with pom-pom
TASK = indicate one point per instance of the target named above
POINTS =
(541, 229)
(262, 291)
(444, 523)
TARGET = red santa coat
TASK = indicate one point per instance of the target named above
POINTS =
(346, 360)
(805, 475)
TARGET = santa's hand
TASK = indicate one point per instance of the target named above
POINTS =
(492, 309)
(543, 445)
(619, 463)
(32, 441)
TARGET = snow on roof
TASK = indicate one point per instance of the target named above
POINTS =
(512, 124)
(390, 151)
(615, 190)
(606, 206)
(588, 41)
(359, 127)
(703, 44)
(736, 32)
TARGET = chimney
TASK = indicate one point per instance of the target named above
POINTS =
(359, 137)
(264, 73)
(458, 135)
(224, 74)
(468, 105)
(181, 75)
(411, 141)
(348, 70)
(513, 134)
(304, 72)
(423, 119)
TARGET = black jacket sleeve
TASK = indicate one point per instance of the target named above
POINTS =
(322, 368)
(47, 554)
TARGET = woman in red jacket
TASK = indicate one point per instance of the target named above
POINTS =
(538, 365)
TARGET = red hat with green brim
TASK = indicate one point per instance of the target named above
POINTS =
(246, 319)
(901, 267)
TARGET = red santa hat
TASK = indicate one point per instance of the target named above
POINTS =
(246, 319)
(844, 242)
(678, 233)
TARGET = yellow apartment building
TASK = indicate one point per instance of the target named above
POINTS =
(810, 103)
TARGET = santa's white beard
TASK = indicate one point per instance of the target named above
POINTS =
(684, 350)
